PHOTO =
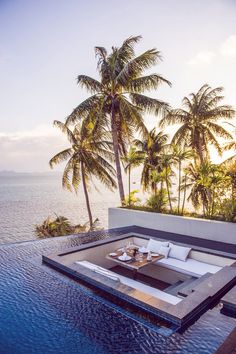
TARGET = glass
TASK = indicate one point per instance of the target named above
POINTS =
(139, 257)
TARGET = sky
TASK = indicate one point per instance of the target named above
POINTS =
(45, 44)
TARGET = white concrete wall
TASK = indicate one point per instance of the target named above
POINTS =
(206, 229)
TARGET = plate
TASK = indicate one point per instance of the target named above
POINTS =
(127, 258)
(143, 250)
(112, 254)
(155, 254)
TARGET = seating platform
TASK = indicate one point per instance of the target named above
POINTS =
(190, 267)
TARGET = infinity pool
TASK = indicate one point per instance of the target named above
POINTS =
(43, 311)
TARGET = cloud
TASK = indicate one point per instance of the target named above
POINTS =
(30, 150)
(202, 58)
(228, 48)
(40, 131)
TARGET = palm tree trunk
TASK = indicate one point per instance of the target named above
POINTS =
(200, 152)
(168, 191)
(116, 153)
(161, 187)
(184, 197)
(86, 196)
(129, 183)
(213, 202)
(179, 186)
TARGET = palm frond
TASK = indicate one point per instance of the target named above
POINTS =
(60, 157)
(220, 112)
(125, 52)
(101, 53)
(219, 130)
(135, 67)
(76, 175)
(174, 116)
(84, 109)
(148, 104)
(131, 114)
(150, 82)
(90, 84)
(66, 180)
(65, 130)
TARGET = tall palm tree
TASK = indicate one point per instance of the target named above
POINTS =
(166, 161)
(152, 146)
(180, 154)
(199, 120)
(117, 97)
(87, 157)
(131, 159)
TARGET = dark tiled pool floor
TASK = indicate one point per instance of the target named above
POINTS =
(43, 311)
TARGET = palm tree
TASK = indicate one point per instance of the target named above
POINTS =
(198, 180)
(117, 98)
(184, 188)
(204, 179)
(229, 167)
(198, 120)
(180, 154)
(165, 163)
(87, 157)
(152, 148)
(231, 145)
(131, 160)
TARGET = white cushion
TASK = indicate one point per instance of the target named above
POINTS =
(190, 267)
(133, 283)
(164, 251)
(179, 252)
(99, 270)
(154, 245)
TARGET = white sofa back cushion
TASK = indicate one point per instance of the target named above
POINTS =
(154, 245)
(179, 252)
(164, 251)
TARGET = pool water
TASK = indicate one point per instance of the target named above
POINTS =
(43, 311)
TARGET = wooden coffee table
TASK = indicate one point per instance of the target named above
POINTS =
(133, 264)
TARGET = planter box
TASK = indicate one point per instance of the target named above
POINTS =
(207, 229)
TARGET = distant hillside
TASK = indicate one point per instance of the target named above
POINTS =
(7, 173)
(14, 173)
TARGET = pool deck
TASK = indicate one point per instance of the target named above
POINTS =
(229, 303)
(229, 345)
(205, 294)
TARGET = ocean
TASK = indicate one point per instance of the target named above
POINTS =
(28, 199)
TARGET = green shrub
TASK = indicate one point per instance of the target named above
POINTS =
(61, 226)
(132, 200)
(158, 201)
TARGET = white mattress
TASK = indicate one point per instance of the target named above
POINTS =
(132, 283)
(190, 266)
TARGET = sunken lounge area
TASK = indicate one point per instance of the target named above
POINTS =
(153, 271)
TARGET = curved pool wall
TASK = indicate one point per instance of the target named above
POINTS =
(42, 311)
